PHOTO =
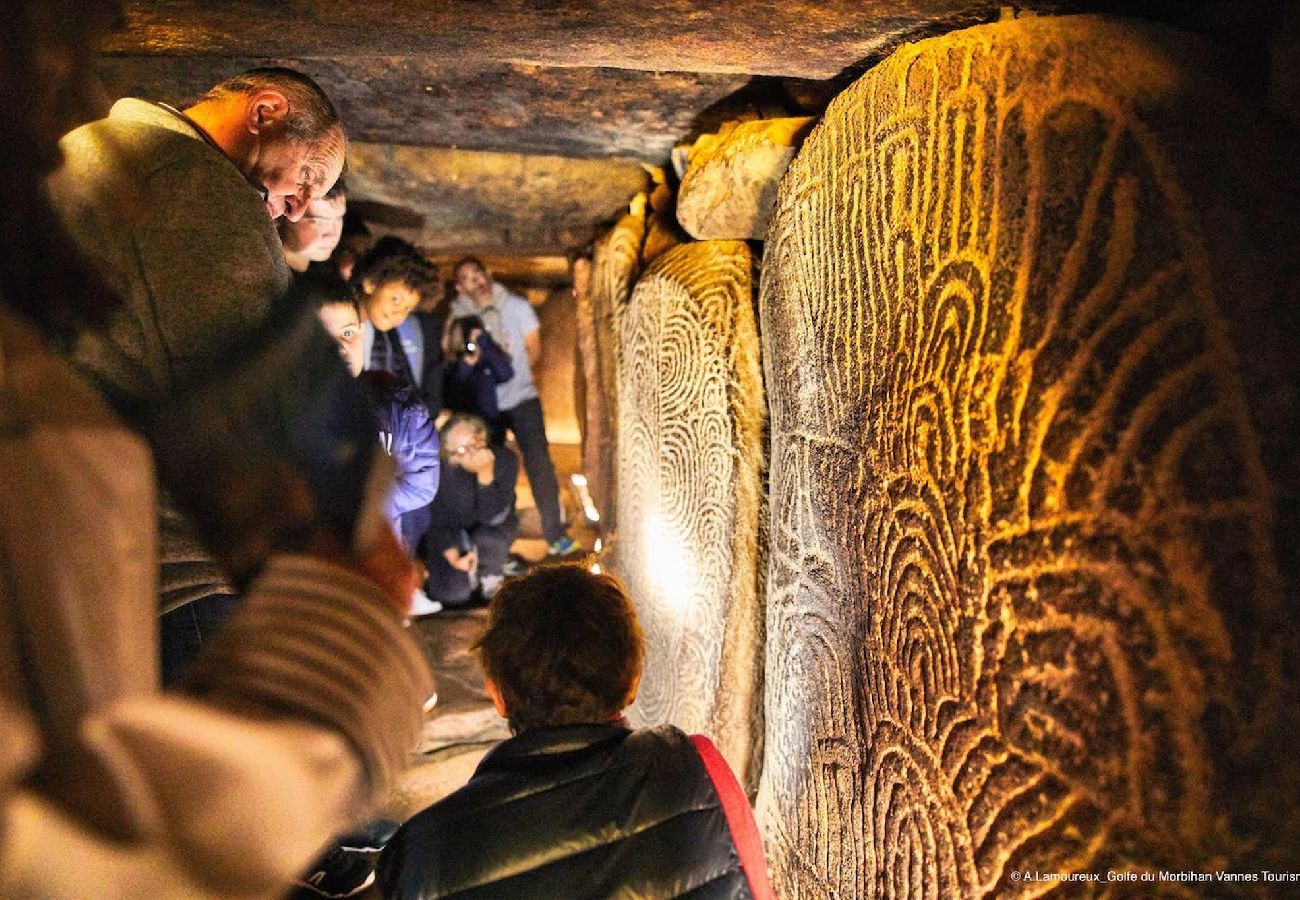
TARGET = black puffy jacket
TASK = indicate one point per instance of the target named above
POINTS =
(573, 812)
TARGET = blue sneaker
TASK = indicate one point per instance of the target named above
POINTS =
(563, 547)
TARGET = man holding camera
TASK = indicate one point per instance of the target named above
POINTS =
(477, 367)
(513, 324)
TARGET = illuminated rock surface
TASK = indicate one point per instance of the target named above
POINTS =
(662, 230)
(810, 39)
(454, 102)
(690, 462)
(1028, 337)
(519, 204)
(625, 79)
(730, 187)
(615, 265)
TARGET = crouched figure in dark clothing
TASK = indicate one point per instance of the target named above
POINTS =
(472, 519)
(577, 803)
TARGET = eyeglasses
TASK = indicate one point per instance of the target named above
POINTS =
(467, 448)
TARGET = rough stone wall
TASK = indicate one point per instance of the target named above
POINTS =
(1028, 319)
(615, 265)
(555, 371)
(662, 230)
(729, 188)
(690, 472)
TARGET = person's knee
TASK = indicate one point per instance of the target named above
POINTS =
(493, 543)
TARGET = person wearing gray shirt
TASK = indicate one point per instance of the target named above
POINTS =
(513, 325)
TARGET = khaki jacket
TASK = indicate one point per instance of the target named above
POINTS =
(297, 717)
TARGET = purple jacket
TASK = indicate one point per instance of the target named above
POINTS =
(408, 436)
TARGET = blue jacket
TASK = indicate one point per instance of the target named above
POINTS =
(408, 436)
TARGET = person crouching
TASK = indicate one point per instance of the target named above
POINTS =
(472, 520)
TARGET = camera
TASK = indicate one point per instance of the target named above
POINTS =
(466, 326)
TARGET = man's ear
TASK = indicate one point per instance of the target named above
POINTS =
(495, 693)
(367, 285)
(266, 109)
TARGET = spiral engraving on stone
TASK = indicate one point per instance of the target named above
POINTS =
(1023, 566)
(690, 469)
(614, 268)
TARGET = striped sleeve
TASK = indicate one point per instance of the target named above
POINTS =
(317, 642)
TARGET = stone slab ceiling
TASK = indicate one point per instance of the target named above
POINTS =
(442, 96)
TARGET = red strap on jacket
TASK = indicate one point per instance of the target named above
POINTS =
(740, 818)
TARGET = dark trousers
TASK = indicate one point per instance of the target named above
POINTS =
(452, 586)
(413, 525)
(525, 420)
(183, 631)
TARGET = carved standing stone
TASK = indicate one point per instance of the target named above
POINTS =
(730, 184)
(1029, 321)
(690, 474)
(586, 366)
(615, 265)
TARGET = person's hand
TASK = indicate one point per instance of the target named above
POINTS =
(463, 562)
(482, 462)
(474, 458)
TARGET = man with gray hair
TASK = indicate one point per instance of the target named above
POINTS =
(176, 206)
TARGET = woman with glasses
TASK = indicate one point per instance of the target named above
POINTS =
(473, 515)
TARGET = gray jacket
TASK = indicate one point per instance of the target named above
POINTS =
(187, 241)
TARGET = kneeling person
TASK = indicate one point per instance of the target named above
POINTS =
(472, 520)
(578, 804)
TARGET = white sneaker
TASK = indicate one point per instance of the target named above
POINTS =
(421, 605)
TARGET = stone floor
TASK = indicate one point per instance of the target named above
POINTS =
(461, 727)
